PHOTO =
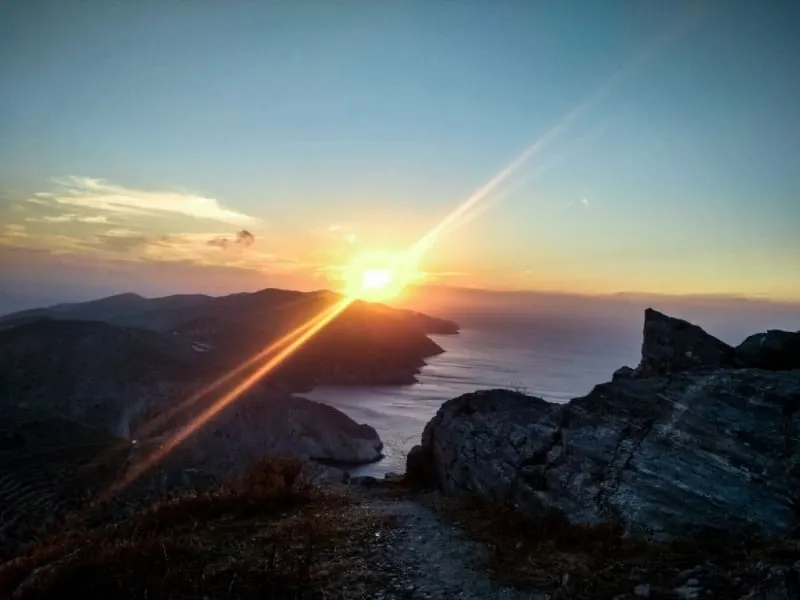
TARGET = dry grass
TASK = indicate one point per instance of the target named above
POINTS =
(267, 537)
(573, 562)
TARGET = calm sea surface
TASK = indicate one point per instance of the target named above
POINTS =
(554, 361)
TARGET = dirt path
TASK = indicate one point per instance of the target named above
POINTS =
(424, 557)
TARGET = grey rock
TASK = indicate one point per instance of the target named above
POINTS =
(772, 350)
(706, 449)
(673, 345)
(624, 373)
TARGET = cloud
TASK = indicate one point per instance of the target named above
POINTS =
(14, 231)
(338, 232)
(70, 218)
(220, 242)
(106, 197)
(243, 238)
(585, 201)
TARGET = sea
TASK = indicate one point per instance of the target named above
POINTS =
(552, 360)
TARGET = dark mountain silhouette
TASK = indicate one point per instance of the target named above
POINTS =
(366, 344)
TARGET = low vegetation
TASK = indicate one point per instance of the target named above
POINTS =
(572, 562)
(269, 536)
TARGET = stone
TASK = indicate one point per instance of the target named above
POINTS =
(624, 373)
(772, 350)
(709, 448)
(673, 345)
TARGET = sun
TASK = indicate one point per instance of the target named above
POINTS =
(375, 279)
(377, 276)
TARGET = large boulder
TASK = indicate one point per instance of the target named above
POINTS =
(772, 350)
(673, 345)
(699, 449)
(477, 442)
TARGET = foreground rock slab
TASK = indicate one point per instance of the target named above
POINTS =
(684, 444)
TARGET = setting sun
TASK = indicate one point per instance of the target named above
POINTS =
(375, 279)
(378, 276)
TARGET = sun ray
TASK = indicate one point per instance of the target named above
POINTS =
(154, 424)
(204, 417)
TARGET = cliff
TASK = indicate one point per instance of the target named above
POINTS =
(699, 437)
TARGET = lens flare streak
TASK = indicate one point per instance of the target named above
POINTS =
(152, 426)
(178, 438)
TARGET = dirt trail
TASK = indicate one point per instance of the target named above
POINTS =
(425, 558)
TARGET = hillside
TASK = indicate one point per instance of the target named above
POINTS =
(365, 344)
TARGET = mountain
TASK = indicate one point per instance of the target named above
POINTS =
(365, 344)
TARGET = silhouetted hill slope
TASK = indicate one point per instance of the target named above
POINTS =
(366, 344)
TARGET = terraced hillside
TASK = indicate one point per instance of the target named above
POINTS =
(53, 468)
(48, 469)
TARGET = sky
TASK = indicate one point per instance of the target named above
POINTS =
(167, 146)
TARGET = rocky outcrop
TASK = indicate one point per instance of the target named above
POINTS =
(689, 442)
(673, 345)
(773, 350)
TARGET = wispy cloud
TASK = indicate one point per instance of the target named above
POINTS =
(14, 230)
(111, 199)
(70, 218)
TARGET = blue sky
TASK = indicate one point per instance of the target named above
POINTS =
(335, 128)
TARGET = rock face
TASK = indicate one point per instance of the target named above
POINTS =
(673, 345)
(687, 443)
(773, 350)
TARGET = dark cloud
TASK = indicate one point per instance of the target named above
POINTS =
(219, 242)
(243, 238)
